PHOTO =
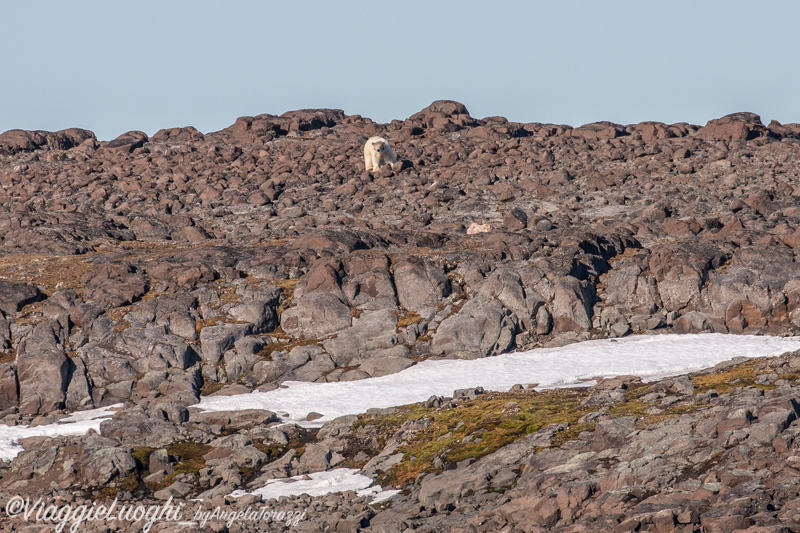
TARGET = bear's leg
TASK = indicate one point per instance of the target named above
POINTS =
(376, 161)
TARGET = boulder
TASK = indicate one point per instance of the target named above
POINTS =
(188, 133)
(748, 295)
(5, 333)
(240, 361)
(736, 126)
(261, 314)
(319, 365)
(446, 115)
(698, 322)
(420, 284)
(572, 305)
(9, 395)
(127, 142)
(612, 433)
(177, 312)
(311, 119)
(14, 141)
(515, 219)
(482, 327)
(629, 287)
(71, 462)
(106, 365)
(154, 348)
(42, 370)
(681, 269)
(598, 131)
(15, 296)
(514, 287)
(114, 284)
(387, 364)
(316, 315)
(372, 331)
(235, 420)
(79, 392)
(651, 131)
(216, 340)
(370, 290)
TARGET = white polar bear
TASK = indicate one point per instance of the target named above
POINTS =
(377, 152)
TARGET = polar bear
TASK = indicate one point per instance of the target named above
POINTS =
(377, 152)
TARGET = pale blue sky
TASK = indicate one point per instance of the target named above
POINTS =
(113, 66)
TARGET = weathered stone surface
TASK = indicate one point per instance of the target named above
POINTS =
(78, 394)
(371, 332)
(681, 270)
(316, 315)
(177, 312)
(14, 296)
(235, 420)
(176, 490)
(420, 284)
(572, 305)
(14, 141)
(515, 289)
(9, 395)
(436, 491)
(258, 313)
(481, 328)
(370, 290)
(387, 364)
(141, 244)
(612, 433)
(315, 364)
(42, 370)
(114, 285)
(91, 461)
(5, 333)
(736, 126)
(216, 340)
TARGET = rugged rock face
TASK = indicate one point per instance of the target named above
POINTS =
(42, 370)
(151, 270)
(711, 451)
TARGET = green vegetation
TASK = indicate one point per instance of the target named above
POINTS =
(472, 429)
(284, 342)
(405, 318)
(142, 456)
(297, 442)
(741, 375)
(190, 461)
(130, 484)
(287, 286)
(435, 439)
(209, 387)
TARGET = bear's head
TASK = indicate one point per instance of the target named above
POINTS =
(379, 146)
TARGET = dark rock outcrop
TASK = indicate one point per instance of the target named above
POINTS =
(150, 270)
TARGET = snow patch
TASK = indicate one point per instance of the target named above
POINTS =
(320, 483)
(648, 356)
(78, 423)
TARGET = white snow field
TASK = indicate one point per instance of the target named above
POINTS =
(77, 423)
(319, 483)
(648, 356)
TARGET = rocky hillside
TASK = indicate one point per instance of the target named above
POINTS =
(152, 270)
